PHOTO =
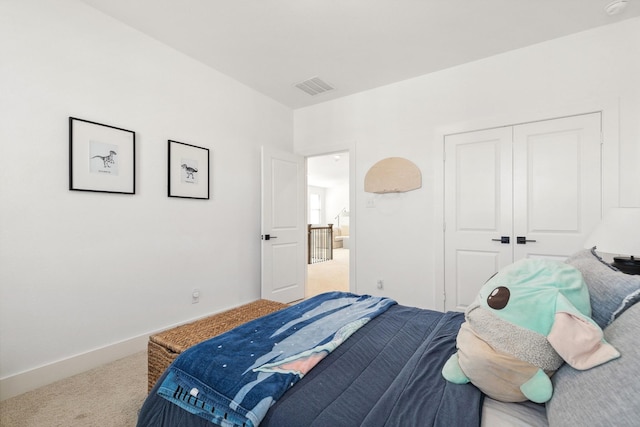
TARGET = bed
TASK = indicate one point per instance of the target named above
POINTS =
(387, 372)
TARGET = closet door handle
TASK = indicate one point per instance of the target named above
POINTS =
(522, 240)
(502, 239)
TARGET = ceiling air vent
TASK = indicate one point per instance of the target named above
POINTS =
(314, 86)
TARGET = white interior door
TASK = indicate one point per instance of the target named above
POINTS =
(477, 211)
(283, 226)
(557, 185)
(524, 191)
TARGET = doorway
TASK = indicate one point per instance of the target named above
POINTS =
(328, 206)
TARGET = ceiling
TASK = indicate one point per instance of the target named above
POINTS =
(353, 45)
(328, 171)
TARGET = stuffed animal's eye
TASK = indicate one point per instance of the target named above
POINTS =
(498, 298)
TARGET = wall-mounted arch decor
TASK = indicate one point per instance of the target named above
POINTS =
(393, 175)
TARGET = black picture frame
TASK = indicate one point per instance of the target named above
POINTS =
(188, 171)
(102, 158)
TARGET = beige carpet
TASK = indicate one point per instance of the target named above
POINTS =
(329, 275)
(108, 396)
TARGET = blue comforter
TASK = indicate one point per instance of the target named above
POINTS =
(233, 379)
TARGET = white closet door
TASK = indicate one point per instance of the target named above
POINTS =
(557, 185)
(539, 183)
(478, 208)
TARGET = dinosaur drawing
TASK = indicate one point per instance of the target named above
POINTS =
(190, 171)
(107, 159)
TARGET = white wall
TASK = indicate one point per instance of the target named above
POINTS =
(333, 200)
(400, 238)
(84, 271)
(337, 199)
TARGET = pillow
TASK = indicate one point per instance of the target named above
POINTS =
(611, 291)
(605, 395)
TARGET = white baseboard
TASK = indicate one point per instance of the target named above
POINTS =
(30, 380)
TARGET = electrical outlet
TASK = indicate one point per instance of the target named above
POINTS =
(371, 202)
(195, 296)
(380, 283)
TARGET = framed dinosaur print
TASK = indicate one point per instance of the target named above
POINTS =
(188, 171)
(102, 158)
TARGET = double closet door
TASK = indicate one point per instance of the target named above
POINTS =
(525, 191)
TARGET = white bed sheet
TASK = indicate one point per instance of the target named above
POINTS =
(501, 414)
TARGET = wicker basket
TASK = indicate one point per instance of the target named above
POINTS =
(165, 346)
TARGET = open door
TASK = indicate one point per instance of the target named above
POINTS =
(283, 226)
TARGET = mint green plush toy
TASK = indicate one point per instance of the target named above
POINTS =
(528, 319)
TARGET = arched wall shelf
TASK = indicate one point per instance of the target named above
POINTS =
(393, 175)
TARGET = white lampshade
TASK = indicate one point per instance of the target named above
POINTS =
(618, 233)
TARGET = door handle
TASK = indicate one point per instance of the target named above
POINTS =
(502, 239)
(522, 240)
(268, 237)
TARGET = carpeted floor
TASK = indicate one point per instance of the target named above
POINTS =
(107, 396)
(329, 275)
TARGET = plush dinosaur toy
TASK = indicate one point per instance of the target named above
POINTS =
(528, 318)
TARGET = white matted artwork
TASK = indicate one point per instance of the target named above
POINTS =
(188, 171)
(101, 157)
